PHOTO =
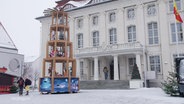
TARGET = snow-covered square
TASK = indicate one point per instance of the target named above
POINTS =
(132, 96)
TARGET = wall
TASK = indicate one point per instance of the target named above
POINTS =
(13, 62)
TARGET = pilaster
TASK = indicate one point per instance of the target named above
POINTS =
(116, 71)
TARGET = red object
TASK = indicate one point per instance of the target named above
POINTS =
(4, 89)
(177, 15)
(3, 70)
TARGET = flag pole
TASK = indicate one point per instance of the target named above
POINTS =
(176, 31)
(176, 38)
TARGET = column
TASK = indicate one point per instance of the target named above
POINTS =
(138, 62)
(140, 29)
(78, 68)
(116, 71)
(96, 76)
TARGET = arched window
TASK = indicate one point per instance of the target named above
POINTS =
(95, 20)
(178, 4)
(151, 10)
(79, 23)
(112, 17)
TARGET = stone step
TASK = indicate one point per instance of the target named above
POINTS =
(105, 84)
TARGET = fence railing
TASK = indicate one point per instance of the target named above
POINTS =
(110, 47)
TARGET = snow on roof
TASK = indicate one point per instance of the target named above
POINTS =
(78, 3)
(5, 39)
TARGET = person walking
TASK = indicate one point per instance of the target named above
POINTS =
(27, 85)
(20, 85)
(105, 70)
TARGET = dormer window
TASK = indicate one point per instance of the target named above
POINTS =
(131, 13)
(178, 4)
(95, 20)
(79, 23)
(151, 10)
(97, 1)
(112, 17)
(67, 7)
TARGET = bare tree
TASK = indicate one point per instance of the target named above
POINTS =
(28, 71)
(36, 76)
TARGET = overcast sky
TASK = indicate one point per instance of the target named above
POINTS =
(18, 18)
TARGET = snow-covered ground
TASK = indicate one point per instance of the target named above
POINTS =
(133, 96)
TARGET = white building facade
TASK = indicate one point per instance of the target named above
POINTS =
(119, 33)
(10, 59)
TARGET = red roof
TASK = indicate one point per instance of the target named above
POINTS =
(3, 70)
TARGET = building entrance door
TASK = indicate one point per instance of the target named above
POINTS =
(112, 71)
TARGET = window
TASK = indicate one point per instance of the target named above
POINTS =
(97, 1)
(95, 38)
(81, 68)
(67, 7)
(151, 10)
(95, 20)
(131, 62)
(80, 40)
(131, 34)
(153, 33)
(79, 23)
(155, 63)
(112, 17)
(178, 3)
(179, 34)
(131, 13)
(113, 36)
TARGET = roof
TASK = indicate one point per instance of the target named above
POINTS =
(5, 39)
(76, 3)
(88, 4)
(5, 74)
(63, 2)
(79, 3)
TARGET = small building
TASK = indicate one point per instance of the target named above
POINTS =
(11, 63)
